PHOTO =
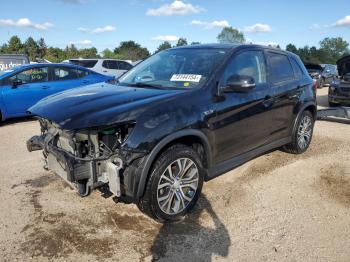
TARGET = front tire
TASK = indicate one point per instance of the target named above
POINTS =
(174, 185)
(302, 135)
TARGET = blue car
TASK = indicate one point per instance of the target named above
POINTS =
(23, 86)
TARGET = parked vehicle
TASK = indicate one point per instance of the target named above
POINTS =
(9, 61)
(324, 74)
(329, 74)
(183, 116)
(339, 90)
(110, 67)
(23, 86)
(315, 72)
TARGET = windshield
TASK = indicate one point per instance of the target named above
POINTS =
(175, 68)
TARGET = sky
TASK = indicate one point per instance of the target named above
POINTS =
(105, 23)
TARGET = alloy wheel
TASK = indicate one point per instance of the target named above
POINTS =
(177, 186)
(304, 132)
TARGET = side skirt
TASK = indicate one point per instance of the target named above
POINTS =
(236, 161)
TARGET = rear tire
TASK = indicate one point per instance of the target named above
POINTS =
(302, 135)
(174, 185)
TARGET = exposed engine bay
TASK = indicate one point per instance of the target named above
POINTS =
(85, 159)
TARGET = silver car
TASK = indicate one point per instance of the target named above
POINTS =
(110, 67)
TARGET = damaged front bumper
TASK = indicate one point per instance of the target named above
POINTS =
(85, 162)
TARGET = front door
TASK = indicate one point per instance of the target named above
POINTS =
(32, 86)
(243, 120)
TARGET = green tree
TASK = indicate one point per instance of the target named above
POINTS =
(292, 48)
(31, 49)
(182, 42)
(42, 47)
(15, 45)
(71, 51)
(335, 47)
(130, 50)
(107, 53)
(163, 46)
(88, 53)
(3, 49)
(55, 54)
(231, 35)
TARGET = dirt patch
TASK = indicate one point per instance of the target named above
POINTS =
(39, 182)
(279, 159)
(335, 182)
(66, 238)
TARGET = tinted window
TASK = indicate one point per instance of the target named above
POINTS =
(64, 73)
(110, 64)
(124, 65)
(249, 63)
(280, 68)
(84, 63)
(33, 75)
(82, 73)
(297, 70)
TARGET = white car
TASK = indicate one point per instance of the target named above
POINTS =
(111, 67)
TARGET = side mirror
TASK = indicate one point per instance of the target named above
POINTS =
(16, 82)
(239, 84)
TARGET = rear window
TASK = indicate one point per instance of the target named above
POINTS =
(110, 64)
(124, 65)
(297, 70)
(84, 63)
(66, 73)
(280, 68)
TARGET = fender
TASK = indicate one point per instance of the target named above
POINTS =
(165, 141)
(301, 110)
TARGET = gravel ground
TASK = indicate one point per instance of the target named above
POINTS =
(278, 207)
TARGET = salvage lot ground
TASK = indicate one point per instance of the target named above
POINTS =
(278, 207)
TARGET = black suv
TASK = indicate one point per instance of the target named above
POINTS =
(181, 117)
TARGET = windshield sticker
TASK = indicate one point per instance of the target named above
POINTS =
(186, 78)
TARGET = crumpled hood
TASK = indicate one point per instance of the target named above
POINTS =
(98, 105)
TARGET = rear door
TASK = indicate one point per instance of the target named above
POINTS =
(286, 92)
(110, 67)
(64, 78)
(33, 88)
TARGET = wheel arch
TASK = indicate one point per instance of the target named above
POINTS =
(191, 137)
(309, 106)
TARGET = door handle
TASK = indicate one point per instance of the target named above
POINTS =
(45, 87)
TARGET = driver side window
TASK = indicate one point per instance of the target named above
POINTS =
(33, 75)
(249, 63)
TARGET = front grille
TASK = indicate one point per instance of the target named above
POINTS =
(345, 89)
